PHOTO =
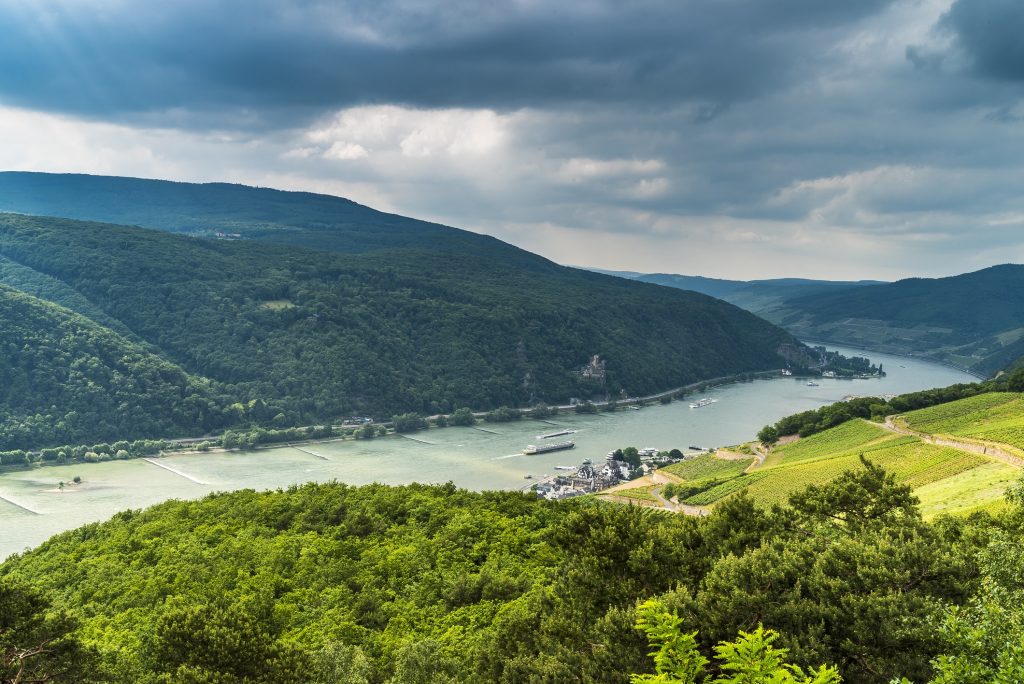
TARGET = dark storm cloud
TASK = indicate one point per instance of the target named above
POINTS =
(273, 60)
(989, 32)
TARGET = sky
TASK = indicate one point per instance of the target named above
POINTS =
(728, 138)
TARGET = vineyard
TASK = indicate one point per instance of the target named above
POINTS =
(972, 413)
(912, 462)
(707, 466)
(637, 494)
(980, 488)
(843, 438)
(993, 417)
(724, 489)
(945, 478)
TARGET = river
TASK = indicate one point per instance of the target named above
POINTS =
(32, 508)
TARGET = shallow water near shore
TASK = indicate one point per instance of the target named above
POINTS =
(488, 456)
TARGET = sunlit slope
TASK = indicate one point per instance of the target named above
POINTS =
(948, 478)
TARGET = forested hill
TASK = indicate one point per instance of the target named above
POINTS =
(317, 334)
(65, 379)
(975, 319)
(331, 584)
(206, 209)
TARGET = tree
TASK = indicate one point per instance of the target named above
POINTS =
(233, 643)
(984, 639)
(463, 416)
(750, 659)
(408, 422)
(37, 645)
(768, 435)
(868, 498)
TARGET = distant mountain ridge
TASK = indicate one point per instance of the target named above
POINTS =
(301, 219)
(756, 296)
(973, 320)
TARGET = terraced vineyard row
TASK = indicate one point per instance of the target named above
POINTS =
(948, 468)
(1012, 433)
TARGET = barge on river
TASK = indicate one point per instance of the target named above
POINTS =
(545, 448)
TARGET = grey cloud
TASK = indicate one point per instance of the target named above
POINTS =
(276, 62)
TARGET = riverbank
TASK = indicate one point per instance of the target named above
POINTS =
(483, 457)
(180, 446)
(902, 355)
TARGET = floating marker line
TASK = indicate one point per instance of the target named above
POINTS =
(174, 470)
(307, 451)
(421, 441)
(21, 506)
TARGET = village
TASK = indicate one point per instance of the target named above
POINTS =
(619, 466)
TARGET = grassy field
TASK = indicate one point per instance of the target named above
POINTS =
(946, 479)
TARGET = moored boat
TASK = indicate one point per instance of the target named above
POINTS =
(544, 448)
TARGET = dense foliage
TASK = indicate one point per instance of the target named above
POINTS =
(376, 584)
(289, 336)
(64, 378)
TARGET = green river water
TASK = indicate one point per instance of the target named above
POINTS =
(486, 457)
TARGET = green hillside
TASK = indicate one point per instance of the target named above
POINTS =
(317, 334)
(65, 379)
(332, 584)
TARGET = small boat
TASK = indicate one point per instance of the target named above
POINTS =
(694, 447)
(565, 467)
(527, 476)
(811, 383)
(587, 461)
(634, 407)
(544, 448)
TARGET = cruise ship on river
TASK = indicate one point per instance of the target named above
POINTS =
(544, 448)
(702, 403)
